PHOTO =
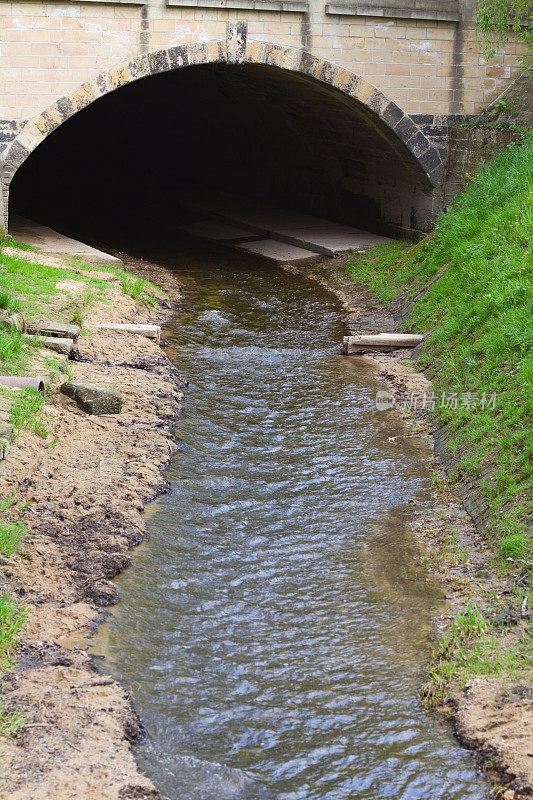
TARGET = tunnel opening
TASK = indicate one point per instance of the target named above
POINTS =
(126, 166)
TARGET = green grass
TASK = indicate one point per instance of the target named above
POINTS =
(11, 534)
(478, 270)
(137, 289)
(13, 354)
(32, 288)
(8, 241)
(12, 619)
(472, 647)
(27, 412)
(9, 303)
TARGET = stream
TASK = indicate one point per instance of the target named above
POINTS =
(274, 623)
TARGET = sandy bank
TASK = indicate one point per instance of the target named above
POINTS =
(81, 495)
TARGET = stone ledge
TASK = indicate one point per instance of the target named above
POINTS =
(446, 11)
(253, 5)
(107, 2)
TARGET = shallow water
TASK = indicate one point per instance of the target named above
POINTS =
(276, 617)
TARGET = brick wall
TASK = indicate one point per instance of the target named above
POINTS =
(426, 65)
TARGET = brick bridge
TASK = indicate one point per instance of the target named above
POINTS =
(110, 109)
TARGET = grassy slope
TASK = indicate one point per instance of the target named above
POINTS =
(480, 310)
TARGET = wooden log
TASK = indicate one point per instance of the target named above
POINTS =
(150, 331)
(15, 382)
(50, 328)
(12, 319)
(380, 341)
(59, 345)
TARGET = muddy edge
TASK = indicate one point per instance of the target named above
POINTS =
(85, 513)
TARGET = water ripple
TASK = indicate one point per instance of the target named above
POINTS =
(274, 623)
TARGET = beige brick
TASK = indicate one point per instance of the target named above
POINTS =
(72, 49)
(48, 48)
(84, 62)
(163, 25)
(49, 23)
(390, 31)
(11, 35)
(372, 70)
(62, 36)
(402, 58)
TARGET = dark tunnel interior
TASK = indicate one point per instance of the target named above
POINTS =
(126, 165)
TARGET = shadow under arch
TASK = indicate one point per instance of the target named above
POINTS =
(303, 131)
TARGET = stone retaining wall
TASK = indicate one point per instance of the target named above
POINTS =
(469, 148)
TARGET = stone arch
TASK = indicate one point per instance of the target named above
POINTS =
(416, 149)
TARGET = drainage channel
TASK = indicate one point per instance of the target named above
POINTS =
(275, 620)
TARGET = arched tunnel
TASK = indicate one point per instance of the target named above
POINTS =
(127, 164)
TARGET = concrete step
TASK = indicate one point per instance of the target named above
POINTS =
(280, 252)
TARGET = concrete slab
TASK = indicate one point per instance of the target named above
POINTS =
(50, 241)
(218, 231)
(330, 242)
(277, 251)
(293, 227)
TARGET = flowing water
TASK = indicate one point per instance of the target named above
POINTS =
(277, 615)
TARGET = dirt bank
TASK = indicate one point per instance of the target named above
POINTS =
(493, 716)
(81, 494)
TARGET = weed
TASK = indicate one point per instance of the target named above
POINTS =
(137, 289)
(27, 412)
(514, 546)
(134, 287)
(10, 721)
(450, 654)
(12, 619)
(77, 317)
(12, 354)
(470, 649)
(11, 534)
(8, 502)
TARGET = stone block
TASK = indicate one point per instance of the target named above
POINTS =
(56, 343)
(158, 61)
(94, 398)
(51, 328)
